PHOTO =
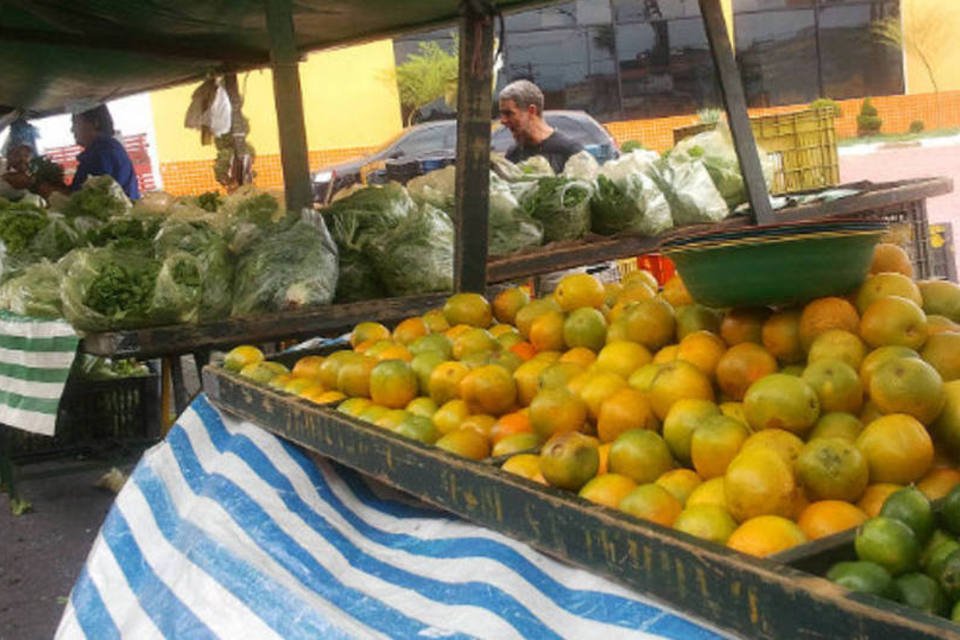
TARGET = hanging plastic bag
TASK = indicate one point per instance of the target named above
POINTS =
(581, 166)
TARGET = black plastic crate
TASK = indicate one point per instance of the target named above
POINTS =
(943, 259)
(97, 413)
(909, 229)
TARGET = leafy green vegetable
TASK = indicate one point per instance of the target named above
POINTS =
(100, 197)
(213, 263)
(56, 239)
(107, 288)
(561, 205)
(90, 367)
(358, 278)
(34, 292)
(124, 231)
(210, 200)
(18, 228)
(367, 214)
(631, 203)
(508, 229)
(417, 256)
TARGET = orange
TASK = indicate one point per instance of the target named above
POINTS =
(579, 290)
(239, 357)
(703, 350)
(696, 317)
(436, 342)
(836, 384)
(832, 469)
(489, 389)
(888, 257)
(643, 276)
(634, 292)
(560, 374)
(368, 332)
(569, 460)
(546, 332)
(881, 285)
(940, 324)
(585, 328)
(941, 297)
(742, 365)
(409, 330)
(444, 383)
(675, 291)
(876, 494)
(675, 381)
(709, 492)
(839, 345)
(908, 385)
(893, 320)
(557, 410)
(596, 388)
(524, 349)
(943, 352)
(468, 308)
(780, 335)
(623, 410)
(766, 535)
(498, 330)
(682, 420)
(897, 447)
(263, 372)
(394, 351)
(481, 423)
(527, 378)
(530, 312)
(653, 503)
(353, 376)
(759, 482)
(836, 425)
(325, 396)
(607, 489)
(308, 367)
(579, 355)
(947, 425)
(466, 443)
(622, 357)
(435, 321)
(779, 401)
(510, 424)
(666, 354)
(604, 452)
(649, 322)
(450, 415)
(784, 443)
(330, 367)
(508, 302)
(610, 291)
(525, 465)
(734, 410)
(393, 384)
(642, 378)
(354, 406)
(516, 443)
(827, 517)
(939, 482)
(640, 454)
(715, 443)
(391, 419)
(881, 356)
(870, 412)
(707, 522)
(373, 413)
(473, 340)
(281, 381)
(744, 325)
(827, 313)
(422, 407)
(455, 331)
(423, 365)
(680, 482)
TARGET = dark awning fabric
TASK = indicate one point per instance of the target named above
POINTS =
(55, 54)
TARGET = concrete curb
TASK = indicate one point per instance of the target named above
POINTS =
(864, 149)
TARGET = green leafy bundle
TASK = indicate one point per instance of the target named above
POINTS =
(561, 205)
(100, 197)
(416, 256)
(34, 292)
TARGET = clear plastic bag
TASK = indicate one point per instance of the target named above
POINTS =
(367, 214)
(690, 191)
(417, 256)
(437, 188)
(561, 205)
(627, 199)
(214, 263)
(581, 166)
(508, 229)
(35, 292)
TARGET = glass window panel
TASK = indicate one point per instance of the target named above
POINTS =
(853, 62)
(766, 5)
(777, 53)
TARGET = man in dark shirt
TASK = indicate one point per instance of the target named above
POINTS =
(521, 111)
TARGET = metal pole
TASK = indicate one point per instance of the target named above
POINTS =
(474, 106)
(284, 61)
(731, 90)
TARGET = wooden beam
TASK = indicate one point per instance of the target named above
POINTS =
(284, 61)
(474, 108)
(731, 89)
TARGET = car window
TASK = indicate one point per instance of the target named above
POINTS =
(424, 141)
(574, 128)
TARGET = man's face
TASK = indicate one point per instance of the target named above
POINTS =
(515, 119)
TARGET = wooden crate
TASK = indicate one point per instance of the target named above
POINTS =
(756, 598)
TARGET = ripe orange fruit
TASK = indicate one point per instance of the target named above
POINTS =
(530, 312)
(578, 290)
(759, 482)
(876, 494)
(832, 469)
(353, 376)
(546, 332)
(649, 322)
(908, 385)
(881, 285)
(524, 349)
(653, 503)
(527, 377)
(445, 380)
(836, 425)
(466, 443)
(510, 424)
(557, 410)
(640, 454)
(827, 313)
(703, 350)
(709, 492)
(422, 406)
(780, 401)
(706, 521)
(784, 443)
(947, 425)
(409, 330)
(585, 328)
(780, 335)
(827, 517)
(836, 384)
(435, 321)
(675, 381)
(666, 354)
(368, 332)
(468, 308)
(943, 352)
(579, 355)
(568, 460)
(680, 482)
(473, 341)
(879, 357)
(607, 489)
(675, 292)
(489, 389)
(766, 535)
(715, 443)
(354, 406)
(682, 420)
(622, 357)
(897, 447)
(744, 325)
(888, 257)
(642, 276)
(508, 302)
(450, 415)
(893, 320)
(525, 465)
(696, 317)
(742, 365)
(516, 443)
(239, 357)
(838, 344)
(308, 367)
(623, 410)
(393, 384)
(481, 423)
(596, 388)
(939, 482)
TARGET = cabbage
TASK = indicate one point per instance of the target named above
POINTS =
(35, 292)
(416, 256)
(561, 205)
(289, 269)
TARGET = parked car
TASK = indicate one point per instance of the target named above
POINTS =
(432, 145)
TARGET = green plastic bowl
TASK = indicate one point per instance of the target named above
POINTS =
(775, 271)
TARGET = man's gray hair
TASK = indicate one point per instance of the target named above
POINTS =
(523, 93)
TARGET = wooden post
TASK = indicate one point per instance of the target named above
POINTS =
(284, 61)
(736, 105)
(474, 108)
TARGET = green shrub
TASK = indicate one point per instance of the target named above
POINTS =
(916, 126)
(868, 122)
(631, 145)
(827, 103)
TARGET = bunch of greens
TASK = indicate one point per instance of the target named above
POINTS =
(209, 257)
(18, 228)
(561, 205)
(90, 367)
(210, 201)
(437, 188)
(34, 292)
(358, 279)
(416, 256)
(627, 199)
(690, 191)
(715, 150)
(177, 291)
(367, 214)
(56, 239)
(108, 288)
(508, 229)
(125, 231)
(100, 197)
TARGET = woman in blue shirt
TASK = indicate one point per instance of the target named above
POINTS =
(102, 154)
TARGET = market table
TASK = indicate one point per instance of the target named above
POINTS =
(224, 530)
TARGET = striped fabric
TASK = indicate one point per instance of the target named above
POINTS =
(35, 360)
(224, 531)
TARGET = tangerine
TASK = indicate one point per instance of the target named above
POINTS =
(703, 350)
(555, 411)
(780, 401)
(585, 327)
(836, 384)
(832, 469)
(765, 535)
(508, 302)
(578, 290)
(393, 384)
(889, 257)
(622, 357)
(897, 447)
(715, 443)
(569, 460)
(525, 465)
(409, 330)
(675, 381)
(675, 292)
(640, 454)
(607, 489)
(893, 320)
(759, 482)
(623, 410)
(653, 503)
(742, 365)
(489, 389)
(827, 517)
(744, 325)
(882, 285)
(680, 482)
(780, 335)
(908, 385)
(824, 314)
(682, 420)
(707, 522)
(467, 443)
(444, 383)
(368, 332)
(468, 308)
(838, 344)
(875, 495)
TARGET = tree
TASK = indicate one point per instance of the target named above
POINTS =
(427, 75)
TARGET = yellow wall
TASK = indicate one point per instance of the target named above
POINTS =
(349, 98)
(934, 26)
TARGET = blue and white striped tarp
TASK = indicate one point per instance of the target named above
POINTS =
(225, 531)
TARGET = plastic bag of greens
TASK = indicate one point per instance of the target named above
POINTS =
(214, 263)
(153, 203)
(417, 256)
(715, 149)
(535, 167)
(125, 231)
(289, 269)
(252, 205)
(561, 205)
(107, 288)
(437, 188)
(581, 166)
(56, 239)
(367, 214)
(634, 162)
(178, 290)
(690, 191)
(508, 229)
(19, 227)
(35, 292)
(100, 197)
(634, 203)
(358, 279)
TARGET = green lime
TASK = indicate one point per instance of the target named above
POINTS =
(938, 557)
(911, 507)
(888, 542)
(920, 591)
(950, 511)
(863, 576)
(939, 536)
(949, 576)
(418, 428)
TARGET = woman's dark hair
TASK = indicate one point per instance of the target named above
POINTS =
(100, 118)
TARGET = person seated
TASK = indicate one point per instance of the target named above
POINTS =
(16, 180)
(102, 153)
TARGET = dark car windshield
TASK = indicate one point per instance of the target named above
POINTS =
(422, 140)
